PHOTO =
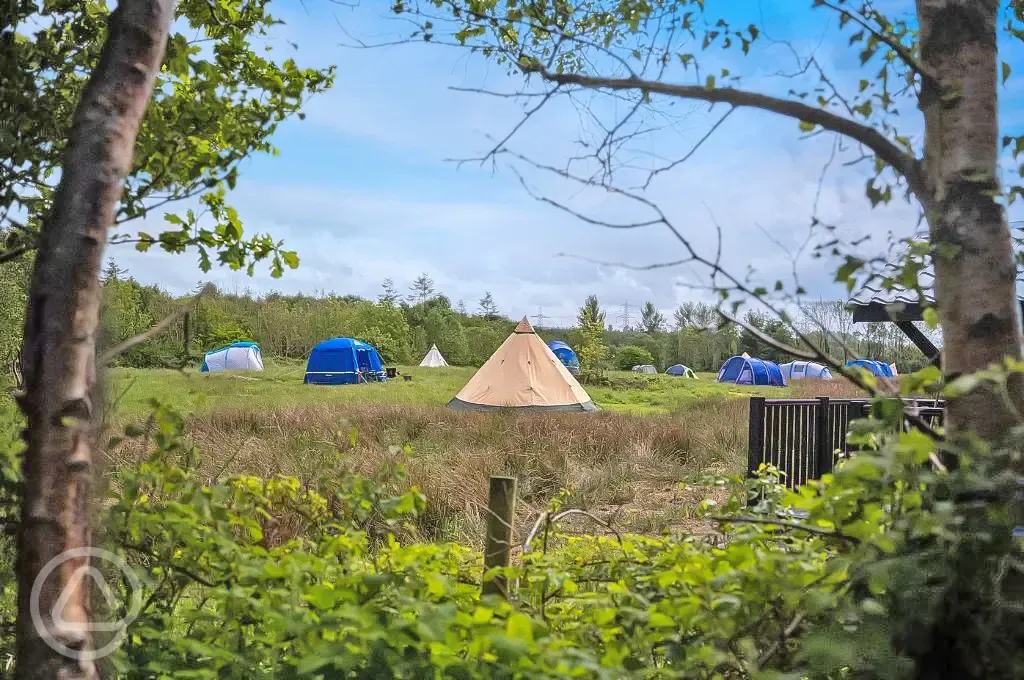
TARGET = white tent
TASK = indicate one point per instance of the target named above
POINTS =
(241, 356)
(433, 359)
(523, 374)
(645, 368)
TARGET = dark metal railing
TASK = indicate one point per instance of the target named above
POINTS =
(805, 437)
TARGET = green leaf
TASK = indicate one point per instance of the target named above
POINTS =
(291, 258)
(931, 317)
(710, 83)
(519, 627)
(659, 620)
(1006, 72)
(806, 126)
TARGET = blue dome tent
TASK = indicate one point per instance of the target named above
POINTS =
(343, 361)
(566, 355)
(805, 369)
(878, 368)
(681, 370)
(744, 370)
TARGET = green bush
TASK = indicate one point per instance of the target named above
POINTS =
(250, 577)
(628, 356)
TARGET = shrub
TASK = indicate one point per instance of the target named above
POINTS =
(628, 356)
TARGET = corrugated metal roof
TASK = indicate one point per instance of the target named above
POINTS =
(876, 292)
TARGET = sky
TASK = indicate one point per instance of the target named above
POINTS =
(366, 188)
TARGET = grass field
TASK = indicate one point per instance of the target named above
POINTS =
(130, 390)
(627, 461)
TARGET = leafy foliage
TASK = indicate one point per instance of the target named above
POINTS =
(249, 577)
(591, 350)
(217, 101)
(628, 356)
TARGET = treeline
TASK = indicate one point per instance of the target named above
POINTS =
(403, 327)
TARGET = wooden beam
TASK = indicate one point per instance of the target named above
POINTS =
(920, 341)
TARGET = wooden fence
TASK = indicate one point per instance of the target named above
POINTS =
(805, 437)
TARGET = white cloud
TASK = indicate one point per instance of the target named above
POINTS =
(472, 232)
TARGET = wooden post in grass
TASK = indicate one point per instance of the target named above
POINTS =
(823, 438)
(755, 436)
(501, 510)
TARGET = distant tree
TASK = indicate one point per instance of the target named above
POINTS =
(389, 294)
(770, 326)
(695, 315)
(592, 351)
(462, 308)
(628, 356)
(591, 312)
(488, 308)
(422, 289)
(112, 272)
(651, 320)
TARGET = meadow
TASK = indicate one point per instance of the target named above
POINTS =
(639, 461)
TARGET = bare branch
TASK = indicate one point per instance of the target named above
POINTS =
(900, 161)
(157, 328)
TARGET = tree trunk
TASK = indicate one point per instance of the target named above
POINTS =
(975, 276)
(975, 290)
(60, 334)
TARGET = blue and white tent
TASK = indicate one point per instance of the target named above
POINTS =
(343, 361)
(878, 368)
(681, 370)
(745, 370)
(240, 356)
(794, 370)
(566, 355)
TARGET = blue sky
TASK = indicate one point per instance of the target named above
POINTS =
(363, 191)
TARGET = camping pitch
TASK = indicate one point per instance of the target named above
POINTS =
(433, 359)
(794, 370)
(523, 374)
(681, 371)
(240, 356)
(343, 361)
(745, 370)
(878, 368)
(566, 355)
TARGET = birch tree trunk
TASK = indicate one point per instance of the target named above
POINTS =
(975, 287)
(60, 334)
(975, 276)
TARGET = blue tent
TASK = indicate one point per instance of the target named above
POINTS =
(566, 355)
(680, 369)
(805, 369)
(744, 370)
(879, 368)
(343, 361)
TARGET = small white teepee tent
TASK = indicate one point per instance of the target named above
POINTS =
(433, 359)
(523, 374)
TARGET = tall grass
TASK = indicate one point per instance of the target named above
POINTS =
(604, 459)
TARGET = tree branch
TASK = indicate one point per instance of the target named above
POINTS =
(901, 50)
(157, 328)
(902, 162)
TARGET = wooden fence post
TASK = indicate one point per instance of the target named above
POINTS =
(823, 438)
(501, 510)
(755, 431)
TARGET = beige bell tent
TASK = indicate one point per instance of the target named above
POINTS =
(433, 359)
(523, 374)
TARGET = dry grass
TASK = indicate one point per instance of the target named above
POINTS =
(839, 388)
(623, 465)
